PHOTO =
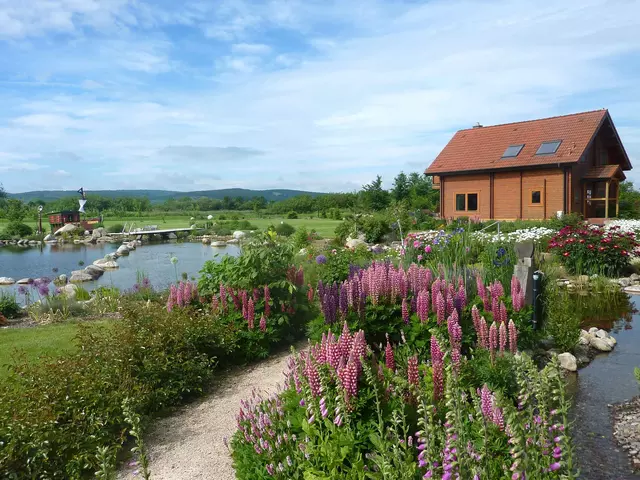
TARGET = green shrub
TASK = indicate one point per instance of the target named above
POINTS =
(561, 321)
(9, 307)
(292, 215)
(115, 228)
(18, 229)
(592, 250)
(302, 238)
(284, 229)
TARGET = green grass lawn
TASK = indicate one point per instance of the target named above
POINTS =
(51, 340)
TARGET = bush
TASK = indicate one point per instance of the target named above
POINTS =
(562, 321)
(284, 229)
(17, 229)
(301, 238)
(292, 215)
(9, 307)
(592, 250)
(115, 228)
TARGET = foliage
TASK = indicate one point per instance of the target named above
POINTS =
(302, 237)
(373, 196)
(452, 251)
(284, 229)
(17, 229)
(561, 319)
(115, 228)
(336, 265)
(292, 215)
(498, 260)
(348, 414)
(9, 307)
(14, 210)
(593, 250)
(629, 201)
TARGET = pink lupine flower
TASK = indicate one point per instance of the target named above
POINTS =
(179, 299)
(223, 298)
(435, 289)
(405, 311)
(412, 371)
(348, 376)
(263, 324)
(437, 356)
(427, 249)
(440, 307)
(503, 337)
(250, 313)
(482, 292)
(493, 340)
(513, 337)
(484, 333)
(422, 306)
(449, 300)
(170, 303)
(475, 317)
(389, 358)
(267, 298)
(503, 312)
(313, 377)
(486, 402)
(498, 417)
(214, 303)
(455, 339)
(495, 308)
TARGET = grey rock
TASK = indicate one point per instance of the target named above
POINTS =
(218, 243)
(233, 241)
(602, 334)
(172, 236)
(95, 271)
(354, 243)
(624, 282)
(24, 281)
(600, 344)
(238, 234)
(593, 330)
(69, 290)
(78, 276)
(68, 228)
(568, 361)
(123, 250)
(7, 281)
(106, 264)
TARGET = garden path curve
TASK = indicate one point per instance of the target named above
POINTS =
(190, 443)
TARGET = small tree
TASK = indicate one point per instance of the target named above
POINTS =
(15, 210)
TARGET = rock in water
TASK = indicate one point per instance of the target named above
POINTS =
(600, 344)
(106, 263)
(123, 250)
(568, 361)
(24, 281)
(94, 270)
(78, 276)
(238, 234)
(69, 290)
(7, 281)
(218, 244)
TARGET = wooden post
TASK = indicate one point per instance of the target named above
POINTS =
(606, 200)
(617, 198)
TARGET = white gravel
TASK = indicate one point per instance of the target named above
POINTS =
(189, 444)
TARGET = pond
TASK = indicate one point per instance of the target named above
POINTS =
(152, 259)
(606, 380)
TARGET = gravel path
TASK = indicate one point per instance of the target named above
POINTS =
(189, 444)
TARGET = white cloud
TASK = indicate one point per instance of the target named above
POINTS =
(384, 92)
(251, 48)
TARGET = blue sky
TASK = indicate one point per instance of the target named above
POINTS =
(317, 95)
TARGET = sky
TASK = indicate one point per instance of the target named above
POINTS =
(317, 95)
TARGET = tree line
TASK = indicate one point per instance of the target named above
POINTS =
(414, 190)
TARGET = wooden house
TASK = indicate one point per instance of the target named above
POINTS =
(534, 169)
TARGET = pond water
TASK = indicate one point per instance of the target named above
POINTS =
(152, 259)
(606, 380)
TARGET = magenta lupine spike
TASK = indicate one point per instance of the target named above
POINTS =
(223, 297)
(498, 417)
(515, 285)
(404, 287)
(455, 339)
(440, 308)
(435, 289)
(170, 302)
(310, 294)
(486, 402)
(493, 340)
(461, 298)
(486, 300)
(482, 292)
(495, 308)
(475, 317)
(437, 364)
(256, 296)
(499, 289)
(484, 333)
(449, 303)
(348, 376)
(422, 306)
(389, 358)
(300, 277)
(412, 371)
(313, 377)
(405, 311)
(503, 312)
(513, 337)
(263, 324)
(345, 340)
(503, 337)
(250, 313)
(179, 298)
(186, 292)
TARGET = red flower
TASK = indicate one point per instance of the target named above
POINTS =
(566, 254)
(581, 240)
(590, 246)
(623, 252)
(601, 249)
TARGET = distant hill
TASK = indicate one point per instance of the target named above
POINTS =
(157, 196)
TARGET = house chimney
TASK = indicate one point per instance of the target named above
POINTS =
(477, 125)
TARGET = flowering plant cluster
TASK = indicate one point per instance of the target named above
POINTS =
(535, 234)
(594, 250)
(434, 248)
(346, 412)
(624, 226)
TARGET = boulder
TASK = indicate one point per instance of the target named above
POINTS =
(98, 233)
(24, 281)
(354, 243)
(206, 240)
(593, 330)
(68, 228)
(62, 279)
(7, 281)
(610, 341)
(233, 241)
(624, 282)
(123, 250)
(600, 344)
(218, 243)
(568, 361)
(585, 337)
(106, 264)
(87, 233)
(238, 234)
(69, 290)
(34, 242)
(172, 236)
(602, 334)
(78, 276)
(95, 271)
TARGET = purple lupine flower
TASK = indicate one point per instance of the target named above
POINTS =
(455, 339)
(313, 377)
(484, 333)
(437, 356)
(486, 402)
(405, 311)
(412, 371)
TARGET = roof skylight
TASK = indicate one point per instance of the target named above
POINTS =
(512, 151)
(549, 148)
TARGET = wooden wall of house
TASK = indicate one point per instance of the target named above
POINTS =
(512, 193)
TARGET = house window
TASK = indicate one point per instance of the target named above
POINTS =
(466, 202)
(549, 148)
(512, 151)
(536, 197)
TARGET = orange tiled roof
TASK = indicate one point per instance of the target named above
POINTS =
(605, 171)
(482, 148)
